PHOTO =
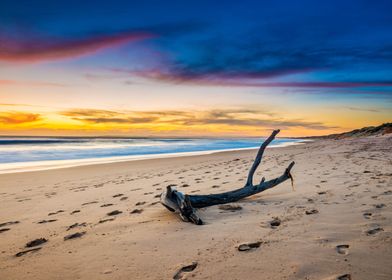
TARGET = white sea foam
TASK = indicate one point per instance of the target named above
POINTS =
(17, 155)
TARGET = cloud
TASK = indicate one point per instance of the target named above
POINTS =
(273, 51)
(41, 49)
(30, 83)
(33, 47)
(372, 110)
(255, 60)
(106, 116)
(240, 81)
(228, 117)
(115, 117)
(251, 118)
(14, 118)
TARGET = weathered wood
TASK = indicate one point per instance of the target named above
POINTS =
(256, 163)
(185, 205)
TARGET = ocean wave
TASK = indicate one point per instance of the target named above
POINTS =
(51, 152)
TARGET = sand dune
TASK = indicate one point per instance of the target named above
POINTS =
(105, 222)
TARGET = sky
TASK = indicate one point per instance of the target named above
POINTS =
(194, 68)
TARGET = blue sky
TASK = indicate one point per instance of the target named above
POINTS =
(299, 52)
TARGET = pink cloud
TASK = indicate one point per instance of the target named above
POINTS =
(29, 83)
(34, 50)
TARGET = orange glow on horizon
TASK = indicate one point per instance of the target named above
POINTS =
(214, 123)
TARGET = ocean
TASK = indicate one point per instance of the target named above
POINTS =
(18, 154)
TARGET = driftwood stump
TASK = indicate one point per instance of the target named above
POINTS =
(186, 205)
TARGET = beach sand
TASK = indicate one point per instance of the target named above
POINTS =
(343, 196)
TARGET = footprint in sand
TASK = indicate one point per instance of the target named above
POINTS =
(374, 230)
(91, 202)
(19, 254)
(46, 221)
(74, 235)
(230, 207)
(249, 246)
(54, 213)
(367, 215)
(76, 225)
(275, 222)
(106, 205)
(187, 268)
(311, 212)
(136, 211)
(106, 220)
(379, 206)
(113, 213)
(344, 277)
(9, 223)
(155, 202)
(36, 242)
(342, 249)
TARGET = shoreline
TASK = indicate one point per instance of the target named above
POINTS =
(10, 168)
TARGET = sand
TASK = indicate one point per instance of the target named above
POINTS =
(337, 222)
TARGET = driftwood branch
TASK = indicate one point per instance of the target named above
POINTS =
(186, 205)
